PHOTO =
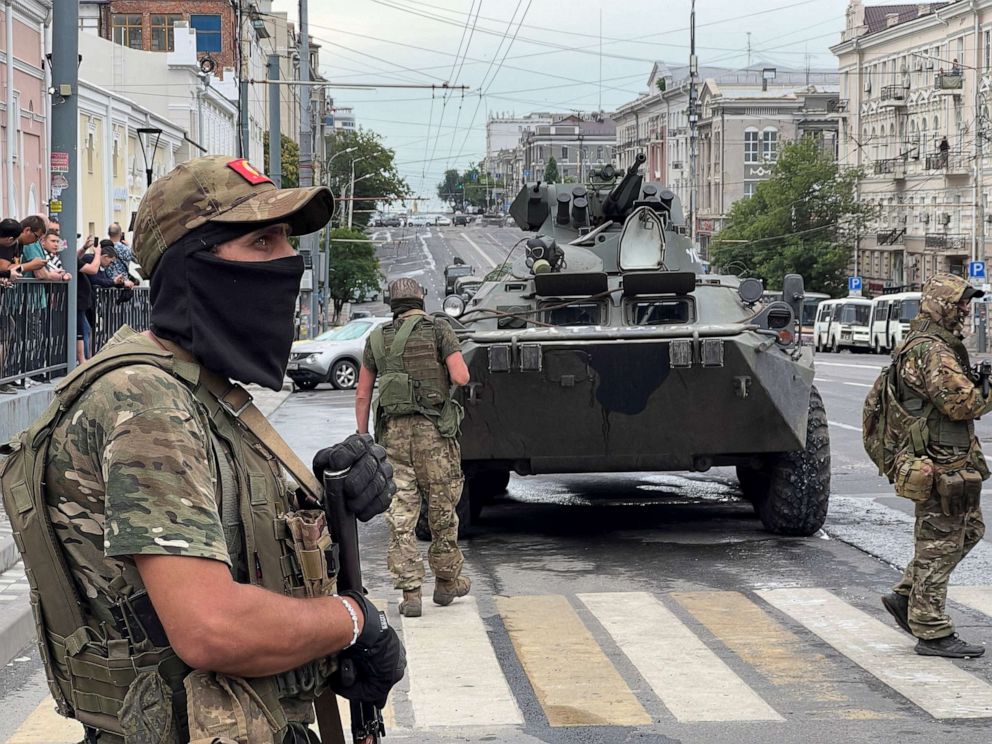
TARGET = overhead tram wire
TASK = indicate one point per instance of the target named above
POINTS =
(461, 101)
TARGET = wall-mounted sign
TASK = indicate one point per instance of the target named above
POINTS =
(60, 162)
(55, 206)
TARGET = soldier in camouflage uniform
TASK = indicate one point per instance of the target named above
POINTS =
(178, 528)
(935, 383)
(417, 357)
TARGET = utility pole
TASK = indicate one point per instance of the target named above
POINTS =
(308, 243)
(243, 117)
(693, 120)
(275, 123)
(65, 149)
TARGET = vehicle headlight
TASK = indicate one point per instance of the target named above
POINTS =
(312, 358)
(453, 305)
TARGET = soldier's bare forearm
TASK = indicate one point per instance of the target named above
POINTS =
(216, 624)
(363, 398)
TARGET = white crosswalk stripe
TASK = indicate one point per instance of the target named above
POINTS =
(690, 655)
(692, 682)
(935, 685)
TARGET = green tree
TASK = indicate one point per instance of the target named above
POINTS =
(802, 220)
(353, 269)
(290, 160)
(551, 171)
(471, 188)
(452, 189)
(376, 177)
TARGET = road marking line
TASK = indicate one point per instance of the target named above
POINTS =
(977, 597)
(853, 366)
(844, 426)
(455, 679)
(857, 384)
(45, 725)
(492, 264)
(692, 682)
(935, 685)
(775, 652)
(574, 681)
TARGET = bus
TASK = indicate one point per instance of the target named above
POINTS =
(890, 316)
(842, 324)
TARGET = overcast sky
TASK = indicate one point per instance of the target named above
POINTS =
(553, 64)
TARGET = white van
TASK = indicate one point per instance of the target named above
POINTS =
(890, 316)
(842, 324)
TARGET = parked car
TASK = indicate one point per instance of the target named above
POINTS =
(443, 221)
(334, 356)
(418, 220)
(392, 222)
(460, 220)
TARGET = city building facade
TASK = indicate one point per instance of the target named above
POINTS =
(915, 92)
(577, 142)
(26, 107)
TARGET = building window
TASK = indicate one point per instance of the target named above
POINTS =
(749, 189)
(90, 147)
(986, 42)
(127, 29)
(207, 32)
(564, 153)
(751, 146)
(599, 153)
(117, 154)
(769, 145)
(163, 38)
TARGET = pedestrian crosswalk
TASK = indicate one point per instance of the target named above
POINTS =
(647, 661)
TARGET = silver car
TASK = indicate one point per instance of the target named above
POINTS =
(334, 356)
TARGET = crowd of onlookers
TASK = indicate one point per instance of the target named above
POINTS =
(33, 248)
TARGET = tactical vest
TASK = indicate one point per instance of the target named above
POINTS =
(97, 653)
(941, 431)
(412, 379)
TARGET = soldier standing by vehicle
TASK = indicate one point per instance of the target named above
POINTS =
(416, 358)
(944, 475)
(183, 590)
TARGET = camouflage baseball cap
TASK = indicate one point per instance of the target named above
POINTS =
(950, 288)
(405, 288)
(220, 188)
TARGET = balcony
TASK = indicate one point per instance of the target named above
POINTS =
(949, 84)
(837, 107)
(952, 164)
(890, 237)
(894, 96)
(895, 167)
(948, 242)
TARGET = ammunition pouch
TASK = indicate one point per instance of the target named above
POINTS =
(449, 423)
(913, 476)
(231, 709)
(959, 491)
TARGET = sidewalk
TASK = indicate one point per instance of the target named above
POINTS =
(16, 623)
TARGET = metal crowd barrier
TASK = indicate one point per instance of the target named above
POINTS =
(32, 329)
(33, 324)
(113, 308)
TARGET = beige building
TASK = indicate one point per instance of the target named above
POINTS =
(915, 94)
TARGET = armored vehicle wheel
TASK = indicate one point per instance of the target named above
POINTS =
(463, 510)
(791, 492)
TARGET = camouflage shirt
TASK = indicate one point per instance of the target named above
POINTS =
(445, 338)
(129, 472)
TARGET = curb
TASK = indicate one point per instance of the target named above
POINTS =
(9, 554)
(16, 628)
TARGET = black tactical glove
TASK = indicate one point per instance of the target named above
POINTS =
(368, 486)
(368, 670)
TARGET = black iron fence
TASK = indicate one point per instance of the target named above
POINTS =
(33, 325)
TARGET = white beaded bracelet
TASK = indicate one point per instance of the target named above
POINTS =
(354, 620)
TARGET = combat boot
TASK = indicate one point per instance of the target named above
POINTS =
(411, 606)
(950, 647)
(447, 590)
(898, 607)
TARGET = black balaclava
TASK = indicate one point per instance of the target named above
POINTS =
(234, 317)
(403, 304)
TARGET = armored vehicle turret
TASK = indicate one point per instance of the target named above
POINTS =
(602, 345)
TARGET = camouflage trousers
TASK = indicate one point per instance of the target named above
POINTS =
(941, 542)
(427, 465)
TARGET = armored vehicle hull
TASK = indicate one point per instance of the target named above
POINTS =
(607, 348)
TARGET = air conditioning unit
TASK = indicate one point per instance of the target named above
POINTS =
(945, 218)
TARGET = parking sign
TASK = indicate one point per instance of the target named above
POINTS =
(976, 270)
(854, 284)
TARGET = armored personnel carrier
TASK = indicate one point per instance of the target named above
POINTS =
(602, 345)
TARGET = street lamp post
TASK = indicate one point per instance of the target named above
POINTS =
(351, 204)
(145, 135)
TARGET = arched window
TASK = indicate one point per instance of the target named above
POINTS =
(751, 152)
(769, 145)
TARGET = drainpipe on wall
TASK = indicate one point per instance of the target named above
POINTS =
(46, 161)
(11, 119)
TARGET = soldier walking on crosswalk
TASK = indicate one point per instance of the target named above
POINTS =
(941, 466)
(416, 358)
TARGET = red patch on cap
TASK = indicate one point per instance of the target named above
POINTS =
(248, 172)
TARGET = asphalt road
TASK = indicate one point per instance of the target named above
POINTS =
(653, 607)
